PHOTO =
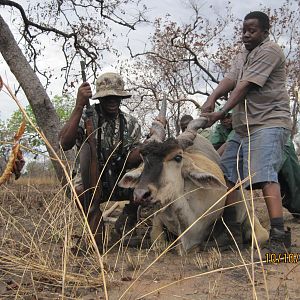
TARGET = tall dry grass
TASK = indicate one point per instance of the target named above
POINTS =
(50, 181)
(39, 226)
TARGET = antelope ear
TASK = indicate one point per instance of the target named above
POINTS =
(206, 180)
(203, 179)
(131, 178)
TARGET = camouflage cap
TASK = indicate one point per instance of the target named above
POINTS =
(110, 84)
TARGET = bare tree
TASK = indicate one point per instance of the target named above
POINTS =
(185, 61)
(80, 27)
(181, 63)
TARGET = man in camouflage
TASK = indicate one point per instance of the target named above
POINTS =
(117, 136)
(221, 133)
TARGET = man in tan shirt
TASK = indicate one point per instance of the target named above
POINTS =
(261, 120)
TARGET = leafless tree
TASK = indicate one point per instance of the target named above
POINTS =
(82, 30)
(184, 62)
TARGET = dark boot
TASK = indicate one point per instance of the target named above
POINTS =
(127, 219)
(140, 236)
(96, 224)
(235, 233)
(235, 229)
(221, 238)
(280, 241)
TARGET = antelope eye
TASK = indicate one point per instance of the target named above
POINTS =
(178, 158)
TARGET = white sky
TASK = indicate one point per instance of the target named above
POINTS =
(178, 9)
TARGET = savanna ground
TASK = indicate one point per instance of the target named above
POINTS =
(39, 225)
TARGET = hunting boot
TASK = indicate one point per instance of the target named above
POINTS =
(85, 246)
(220, 237)
(145, 215)
(140, 236)
(235, 229)
(278, 243)
(127, 219)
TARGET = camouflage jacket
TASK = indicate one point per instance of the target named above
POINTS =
(220, 135)
(108, 133)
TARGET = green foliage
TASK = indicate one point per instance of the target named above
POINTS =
(31, 139)
(4, 139)
(64, 106)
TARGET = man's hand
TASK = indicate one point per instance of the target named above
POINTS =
(208, 106)
(213, 117)
(162, 120)
(83, 94)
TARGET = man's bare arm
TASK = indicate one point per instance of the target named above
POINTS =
(237, 95)
(226, 85)
(68, 134)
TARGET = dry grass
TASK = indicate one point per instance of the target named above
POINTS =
(39, 225)
(210, 262)
(37, 181)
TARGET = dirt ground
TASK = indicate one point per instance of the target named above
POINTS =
(39, 225)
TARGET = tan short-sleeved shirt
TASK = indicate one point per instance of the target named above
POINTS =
(268, 102)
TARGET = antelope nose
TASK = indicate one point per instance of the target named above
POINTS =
(141, 195)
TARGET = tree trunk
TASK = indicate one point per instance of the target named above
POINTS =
(43, 109)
